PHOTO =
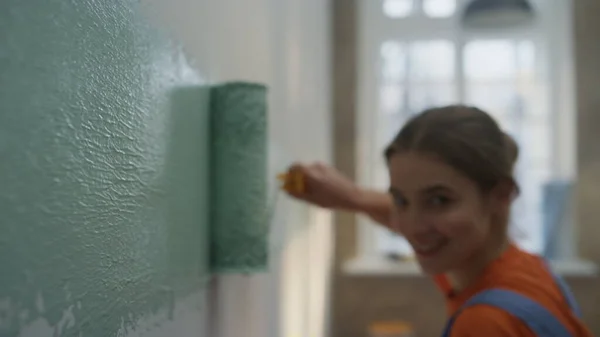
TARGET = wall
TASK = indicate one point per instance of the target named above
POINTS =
(587, 61)
(95, 241)
(103, 192)
(587, 57)
(284, 44)
(358, 300)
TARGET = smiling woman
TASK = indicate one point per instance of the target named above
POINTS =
(452, 185)
(450, 195)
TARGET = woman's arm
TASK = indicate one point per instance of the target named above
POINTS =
(376, 205)
(327, 187)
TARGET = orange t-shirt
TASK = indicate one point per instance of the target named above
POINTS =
(520, 272)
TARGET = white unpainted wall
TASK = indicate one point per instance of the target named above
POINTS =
(285, 45)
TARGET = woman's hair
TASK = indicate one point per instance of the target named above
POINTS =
(466, 138)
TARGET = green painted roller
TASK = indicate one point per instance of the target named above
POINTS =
(239, 222)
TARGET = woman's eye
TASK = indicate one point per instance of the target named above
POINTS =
(439, 201)
(400, 202)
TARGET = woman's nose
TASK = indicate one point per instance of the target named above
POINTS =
(417, 224)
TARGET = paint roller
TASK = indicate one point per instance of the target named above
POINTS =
(241, 207)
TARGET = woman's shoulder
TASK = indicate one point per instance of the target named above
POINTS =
(525, 274)
(517, 271)
(489, 321)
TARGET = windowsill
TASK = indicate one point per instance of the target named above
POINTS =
(383, 267)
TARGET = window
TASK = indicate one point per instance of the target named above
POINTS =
(413, 76)
(514, 91)
(397, 8)
(439, 8)
(423, 58)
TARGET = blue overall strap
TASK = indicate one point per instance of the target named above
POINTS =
(566, 291)
(568, 295)
(536, 317)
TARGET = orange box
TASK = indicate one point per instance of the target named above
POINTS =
(391, 329)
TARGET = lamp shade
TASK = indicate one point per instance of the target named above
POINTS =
(497, 14)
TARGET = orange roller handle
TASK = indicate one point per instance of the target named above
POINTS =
(293, 182)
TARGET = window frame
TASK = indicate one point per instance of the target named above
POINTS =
(552, 30)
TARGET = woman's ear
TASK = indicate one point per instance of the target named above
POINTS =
(502, 195)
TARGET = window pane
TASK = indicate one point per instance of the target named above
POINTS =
(389, 126)
(393, 55)
(490, 60)
(439, 8)
(537, 140)
(535, 100)
(540, 174)
(525, 227)
(497, 99)
(391, 99)
(398, 8)
(526, 59)
(426, 96)
(527, 209)
(432, 60)
(421, 74)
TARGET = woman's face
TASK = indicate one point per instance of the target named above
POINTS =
(441, 212)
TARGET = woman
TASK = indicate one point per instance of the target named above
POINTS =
(451, 188)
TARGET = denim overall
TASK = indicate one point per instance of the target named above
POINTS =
(536, 317)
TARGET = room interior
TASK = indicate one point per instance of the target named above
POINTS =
(363, 294)
(329, 276)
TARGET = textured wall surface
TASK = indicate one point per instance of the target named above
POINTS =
(102, 172)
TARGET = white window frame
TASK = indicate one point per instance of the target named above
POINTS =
(553, 26)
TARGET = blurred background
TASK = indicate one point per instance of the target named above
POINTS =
(343, 76)
(528, 63)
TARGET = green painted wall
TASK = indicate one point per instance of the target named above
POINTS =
(102, 168)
